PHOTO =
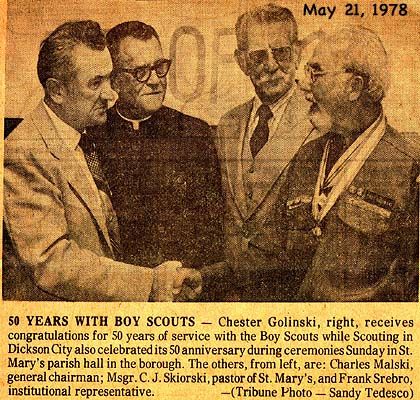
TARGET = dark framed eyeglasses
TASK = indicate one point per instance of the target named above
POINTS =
(142, 73)
(282, 55)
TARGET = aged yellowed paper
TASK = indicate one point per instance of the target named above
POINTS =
(272, 146)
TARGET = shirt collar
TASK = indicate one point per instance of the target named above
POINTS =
(275, 107)
(68, 134)
(134, 122)
(376, 128)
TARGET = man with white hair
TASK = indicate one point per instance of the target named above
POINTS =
(351, 208)
(256, 142)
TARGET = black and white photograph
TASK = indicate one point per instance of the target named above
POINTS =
(154, 154)
(210, 199)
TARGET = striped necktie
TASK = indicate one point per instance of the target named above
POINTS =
(91, 156)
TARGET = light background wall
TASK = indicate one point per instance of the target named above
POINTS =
(223, 85)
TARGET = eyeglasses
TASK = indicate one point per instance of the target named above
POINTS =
(143, 73)
(312, 74)
(282, 55)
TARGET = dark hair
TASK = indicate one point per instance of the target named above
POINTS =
(135, 29)
(54, 59)
(266, 14)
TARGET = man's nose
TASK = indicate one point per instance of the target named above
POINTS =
(271, 64)
(153, 79)
(108, 93)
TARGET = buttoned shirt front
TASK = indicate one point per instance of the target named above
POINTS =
(249, 164)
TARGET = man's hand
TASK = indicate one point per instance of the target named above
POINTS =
(172, 282)
(166, 281)
(188, 285)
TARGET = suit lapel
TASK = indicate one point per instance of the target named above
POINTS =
(71, 167)
(275, 156)
(234, 144)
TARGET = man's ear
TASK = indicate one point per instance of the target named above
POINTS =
(55, 90)
(356, 87)
(240, 57)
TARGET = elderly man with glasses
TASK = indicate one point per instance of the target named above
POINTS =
(352, 203)
(161, 164)
(256, 142)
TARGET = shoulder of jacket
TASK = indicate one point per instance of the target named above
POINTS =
(237, 112)
(407, 143)
(24, 136)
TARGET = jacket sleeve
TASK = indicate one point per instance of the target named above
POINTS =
(229, 226)
(36, 220)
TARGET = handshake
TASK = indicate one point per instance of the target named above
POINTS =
(172, 282)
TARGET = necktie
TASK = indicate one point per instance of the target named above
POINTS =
(260, 135)
(92, 160)
(337, 147)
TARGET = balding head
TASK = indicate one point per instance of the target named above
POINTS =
(359, 50)
(346, 78)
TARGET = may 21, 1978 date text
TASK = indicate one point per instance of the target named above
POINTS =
(357, 10)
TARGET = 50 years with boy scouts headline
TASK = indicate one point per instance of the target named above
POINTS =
(239, 345)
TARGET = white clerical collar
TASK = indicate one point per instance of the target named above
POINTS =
(68, 134)
(134, 122)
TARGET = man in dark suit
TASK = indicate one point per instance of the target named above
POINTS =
(161, 164)
(256, 142)
(352, 198)
(59, 219)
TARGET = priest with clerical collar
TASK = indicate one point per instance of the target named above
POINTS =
(161, 164)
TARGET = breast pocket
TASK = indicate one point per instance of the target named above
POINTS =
(300, 223)
(363, 216)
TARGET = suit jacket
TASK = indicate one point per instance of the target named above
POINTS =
(56, 225)
(368, 249)
(165, 180)
(252, 246)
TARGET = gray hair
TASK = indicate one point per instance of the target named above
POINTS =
(363, 53)
(54, 59)
(266, 14)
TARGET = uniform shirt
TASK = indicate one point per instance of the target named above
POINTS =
(366, 247)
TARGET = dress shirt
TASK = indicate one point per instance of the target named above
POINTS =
(71, 138)
(277, 109)
(249, 164)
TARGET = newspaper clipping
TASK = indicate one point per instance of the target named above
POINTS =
(210, 199)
